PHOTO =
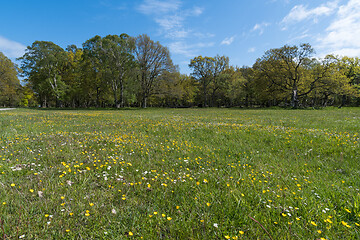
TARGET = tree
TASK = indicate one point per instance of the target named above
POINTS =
(153, 59)
(118, 53)
(207, 71)
(43, 64)
(9, 82)
(285, 70)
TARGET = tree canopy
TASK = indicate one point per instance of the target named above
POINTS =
(120, 71)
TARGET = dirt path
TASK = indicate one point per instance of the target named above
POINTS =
(3, 109)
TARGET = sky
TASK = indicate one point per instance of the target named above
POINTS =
(240, 29)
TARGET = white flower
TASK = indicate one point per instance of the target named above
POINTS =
(22, 236)
(216, 225)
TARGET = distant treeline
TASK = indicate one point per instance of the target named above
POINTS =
(123, 71)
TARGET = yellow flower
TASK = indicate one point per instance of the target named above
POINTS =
(46, 215)
(319, 231)
(13, 185)
(155, 213)
(169, 218)
(208, 204)
(177, 207)
(67, 230)
(163, 215)
(227, 237)
(130, 234)
(87, 214)
(91, 204)
(31, 190)
(4, 203)
(71, 214)
(205, 181)
(62, 197)
(347, 210)
(313, 223)
(241, 232)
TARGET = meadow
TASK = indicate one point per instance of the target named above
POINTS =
(180, 174)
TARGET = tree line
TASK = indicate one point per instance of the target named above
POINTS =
(123, 71)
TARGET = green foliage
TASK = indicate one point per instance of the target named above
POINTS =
(9, 82)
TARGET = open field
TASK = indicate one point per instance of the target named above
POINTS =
(180, 174)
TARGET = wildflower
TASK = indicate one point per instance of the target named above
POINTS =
(208, 204)
(91, 204)
(163, 215)
(155, 213)
(205, 181)
(347, 210)
(345, 224)
(31, 190)
(319, 231)
(241, 232)
(227, 237)
(67, 230)
(71, 214)
(177, 207)
(313, 223)
(216, 225)
(169, 218)
(13, 185)
(46, 215)
(62, 197)
(130, 234)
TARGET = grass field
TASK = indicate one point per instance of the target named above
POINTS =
(180, 174)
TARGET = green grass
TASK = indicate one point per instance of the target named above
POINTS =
(207, 173)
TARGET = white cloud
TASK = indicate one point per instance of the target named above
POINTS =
(300, 13)
(188, 50)
(10, 48)
(260, 27)
(342, 35)
(170, 17)
(251, 50)
(228, 40)
(150, 7)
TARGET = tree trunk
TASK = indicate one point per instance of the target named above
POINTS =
(294, 99)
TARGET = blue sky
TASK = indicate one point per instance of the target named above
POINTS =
(240, 29)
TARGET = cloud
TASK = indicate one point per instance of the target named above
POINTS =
(11, 48)
(342, 35)
(260, 27)
(188, 50)
(251, 50)
(228, 40)
(300, 13)
(150, 7)
(170, 17)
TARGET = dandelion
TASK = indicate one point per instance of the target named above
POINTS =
(177, 207)
(131, 234)
(67, 230)
(169, 218)
(205, 181)
(155, 213)
(241, 232)
(208, 204)
(91, 204)
(31, 190)
(347, 210)
(313, 223)
(46, 215)
(319, 231)
(163, 215)
(13, 184)
(227, 237)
